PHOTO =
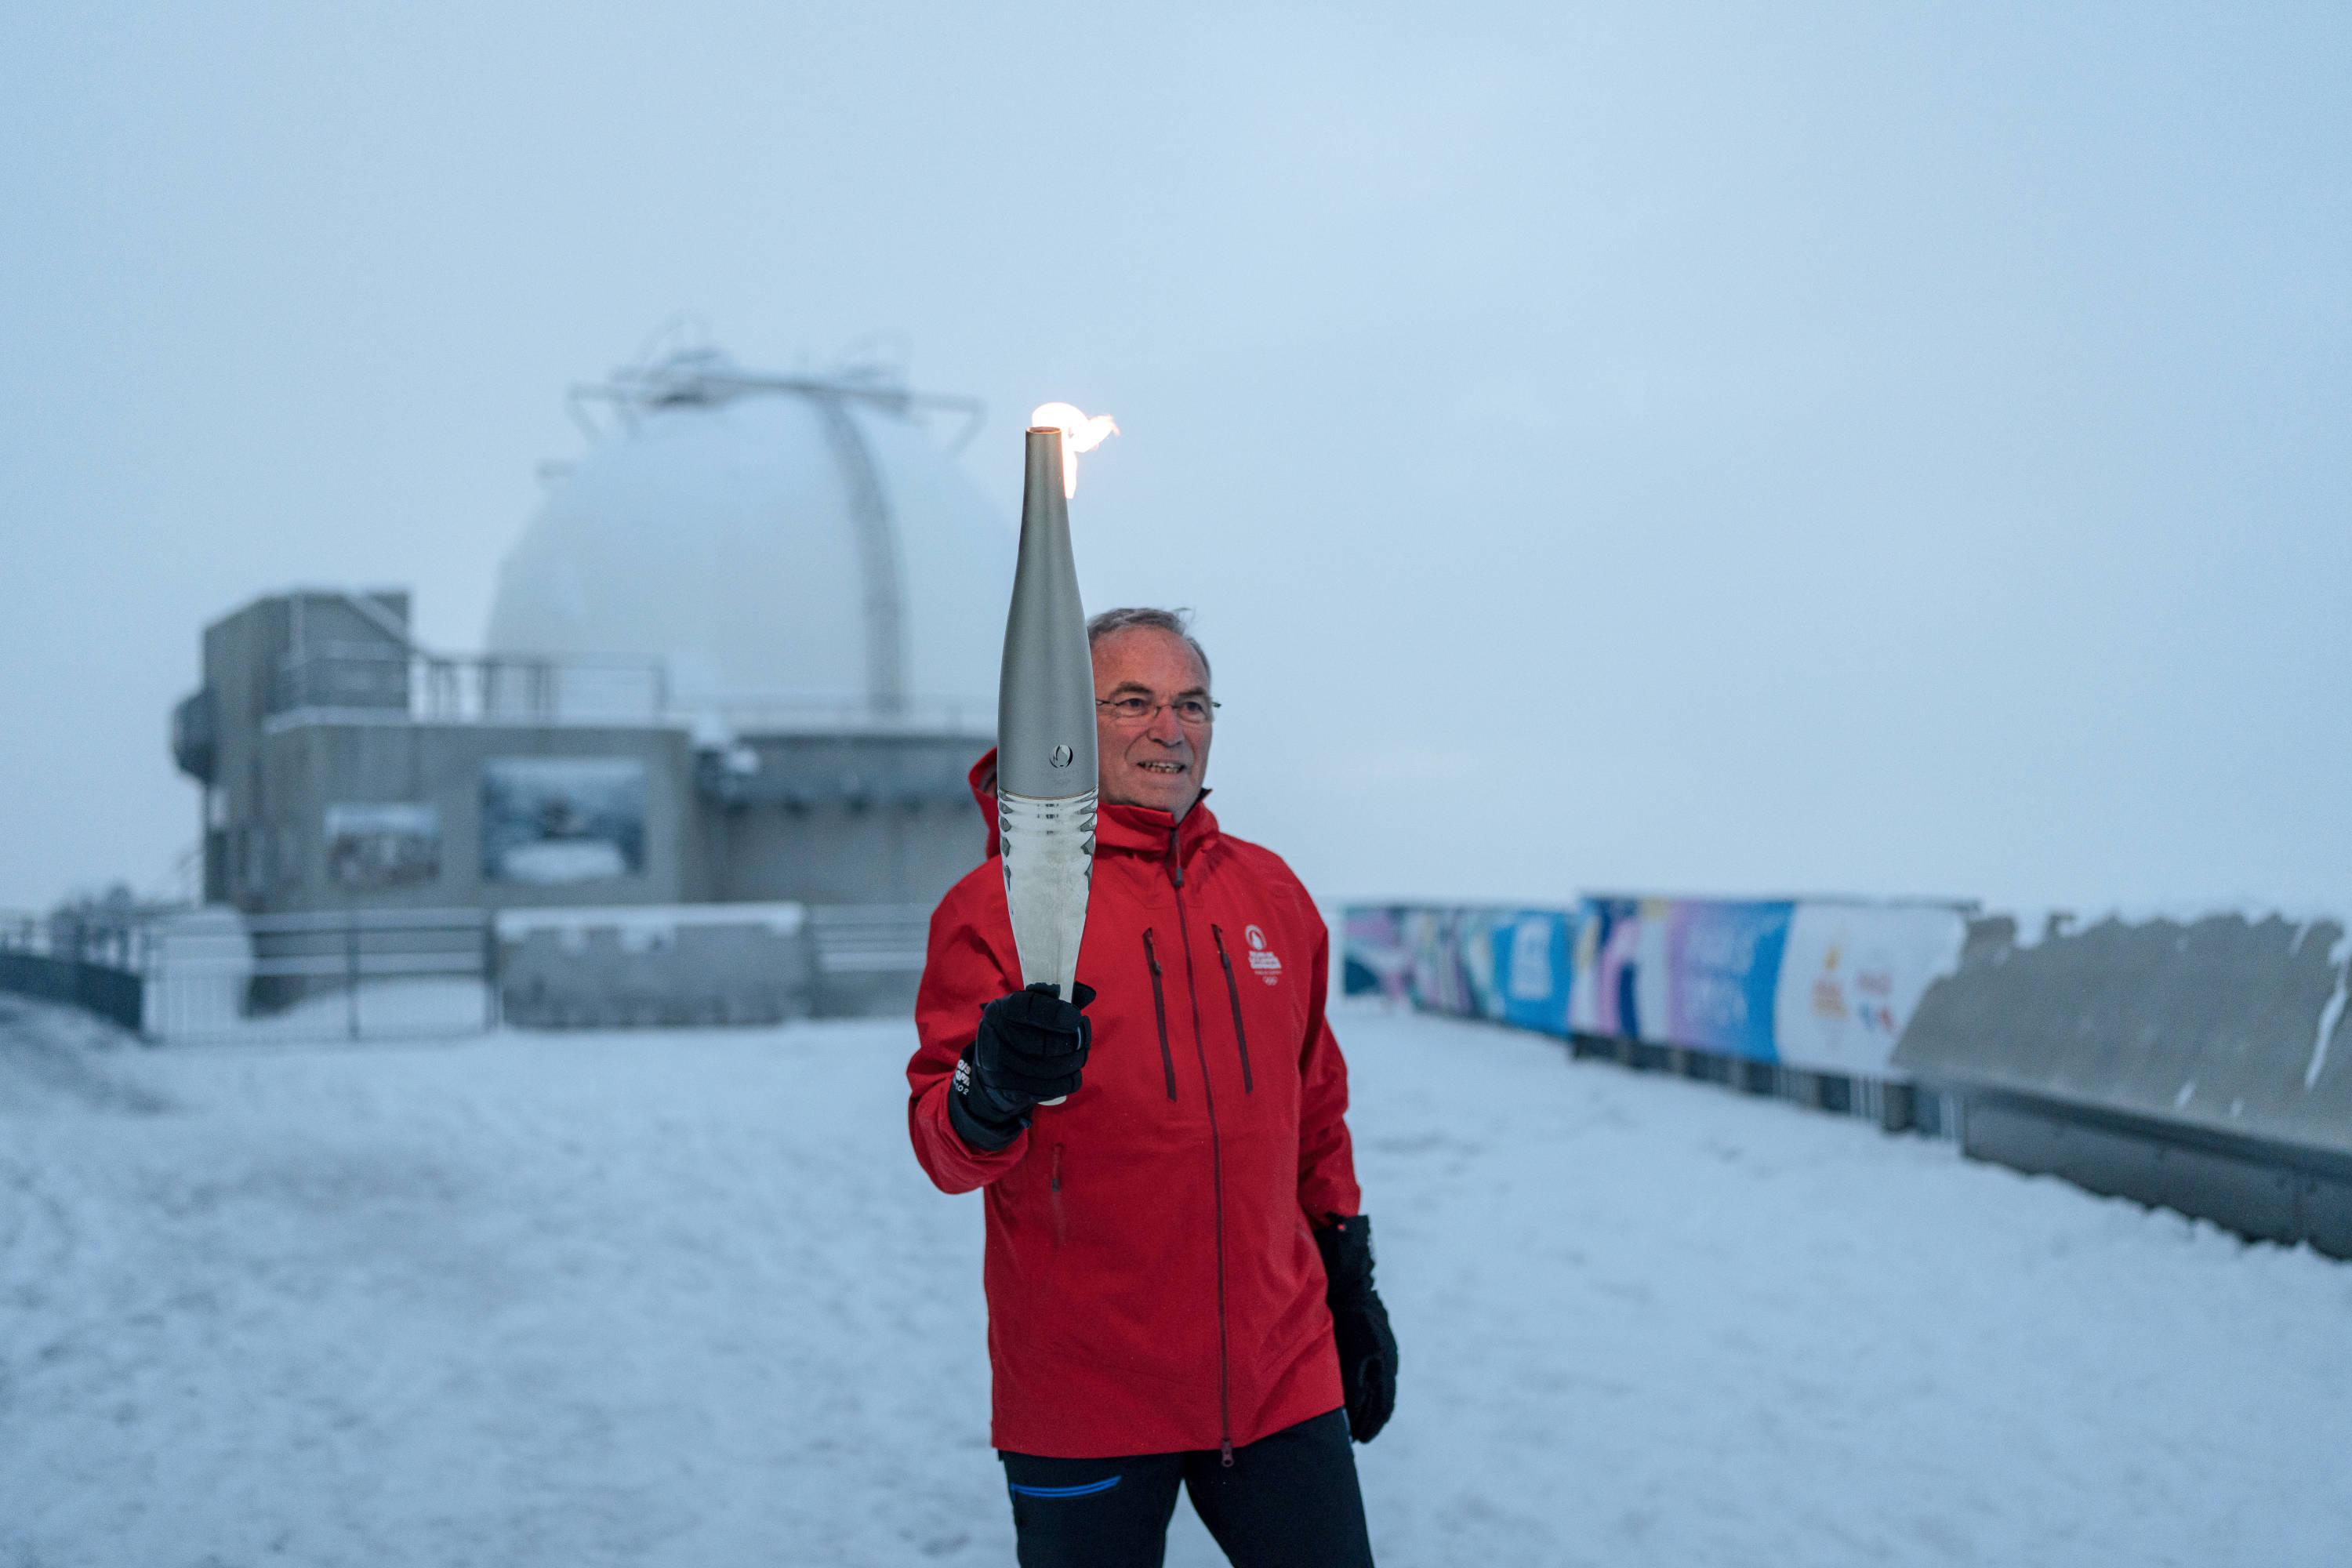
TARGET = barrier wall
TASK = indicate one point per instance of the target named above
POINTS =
(708, 963)
(654, 966)
(2203, 1063)
(2221, 1022)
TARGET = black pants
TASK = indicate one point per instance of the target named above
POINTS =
(1288, 1501)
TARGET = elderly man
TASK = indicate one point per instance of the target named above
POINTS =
(1179, 1281)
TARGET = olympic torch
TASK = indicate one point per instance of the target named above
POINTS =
(1046, 764)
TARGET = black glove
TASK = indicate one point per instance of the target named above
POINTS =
(1031, 1046)
(1367, 1350)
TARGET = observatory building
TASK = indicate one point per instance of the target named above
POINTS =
(744, 653)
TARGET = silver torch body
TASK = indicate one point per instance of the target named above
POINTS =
(1046, 773)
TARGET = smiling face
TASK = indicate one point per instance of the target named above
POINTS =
(1160, 762)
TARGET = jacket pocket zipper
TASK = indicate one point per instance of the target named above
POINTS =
(1159, 1012)
(1234, 994)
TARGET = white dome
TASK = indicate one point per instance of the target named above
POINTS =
(782, 544)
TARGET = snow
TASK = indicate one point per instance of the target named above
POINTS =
(2037, 923)
(2329, 1016)
(683, 1297)
(200, 1006)
(639, 925)
(555, 861)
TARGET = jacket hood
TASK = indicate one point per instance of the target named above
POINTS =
(1140, 829)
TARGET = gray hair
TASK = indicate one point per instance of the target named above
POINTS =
(1136, 618)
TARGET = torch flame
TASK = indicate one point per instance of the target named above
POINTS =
(1079, 434)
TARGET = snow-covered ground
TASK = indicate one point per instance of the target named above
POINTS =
(684, 1299)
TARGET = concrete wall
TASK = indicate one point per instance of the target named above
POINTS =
(842, 854)
(877, 848)
(248, 656)
(308, 767)
(255, 664)
(2284, 1193)
(2224, 1022)
(616, 968)
(708, 963)
(842, 819)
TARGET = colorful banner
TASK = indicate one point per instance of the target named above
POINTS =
(1373, 958)
(1824, 986)
(1453, 967)
(1723, 969)
(1534, 956)
(1698, 974)
(1620, 986)
(1851, 977)
(1514, 966)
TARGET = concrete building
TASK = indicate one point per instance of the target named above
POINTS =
(745, 653)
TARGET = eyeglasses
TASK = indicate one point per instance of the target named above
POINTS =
(1192, 712)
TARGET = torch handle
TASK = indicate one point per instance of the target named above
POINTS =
(1049, 848)
(1061, 988)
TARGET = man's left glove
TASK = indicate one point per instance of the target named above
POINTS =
(1367, 1350)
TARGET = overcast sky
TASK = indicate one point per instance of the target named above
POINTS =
(1745, 448)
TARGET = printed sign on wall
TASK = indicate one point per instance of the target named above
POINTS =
(1374, 959)
(1533, 954)
(1621, 985)
(553, 820)
(1511, 965)
(375, 845)
(1851, 977)
(1824, 986)
(1449, 974)
(1724, 958)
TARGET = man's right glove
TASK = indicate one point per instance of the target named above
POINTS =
(1367, 1350)
(1032, 1045)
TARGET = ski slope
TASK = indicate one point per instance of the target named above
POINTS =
(684, 1299)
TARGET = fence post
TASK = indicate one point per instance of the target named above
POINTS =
(490, 970)
(352, 966)
(151, 985)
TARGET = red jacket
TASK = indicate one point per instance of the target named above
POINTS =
(1153, 1281)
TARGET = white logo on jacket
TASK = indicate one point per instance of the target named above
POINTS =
(1266, 965)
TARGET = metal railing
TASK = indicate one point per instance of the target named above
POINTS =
(73, 962)
(870, 939)
(369, 683)
(326, 974)
(215, 975)
(362, 682)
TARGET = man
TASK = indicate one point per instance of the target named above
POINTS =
(1180, 1284)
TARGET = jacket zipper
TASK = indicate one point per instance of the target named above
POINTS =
(1234, 994)
(1159, 1012)
(1061, 1225)
(1216, 1163)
